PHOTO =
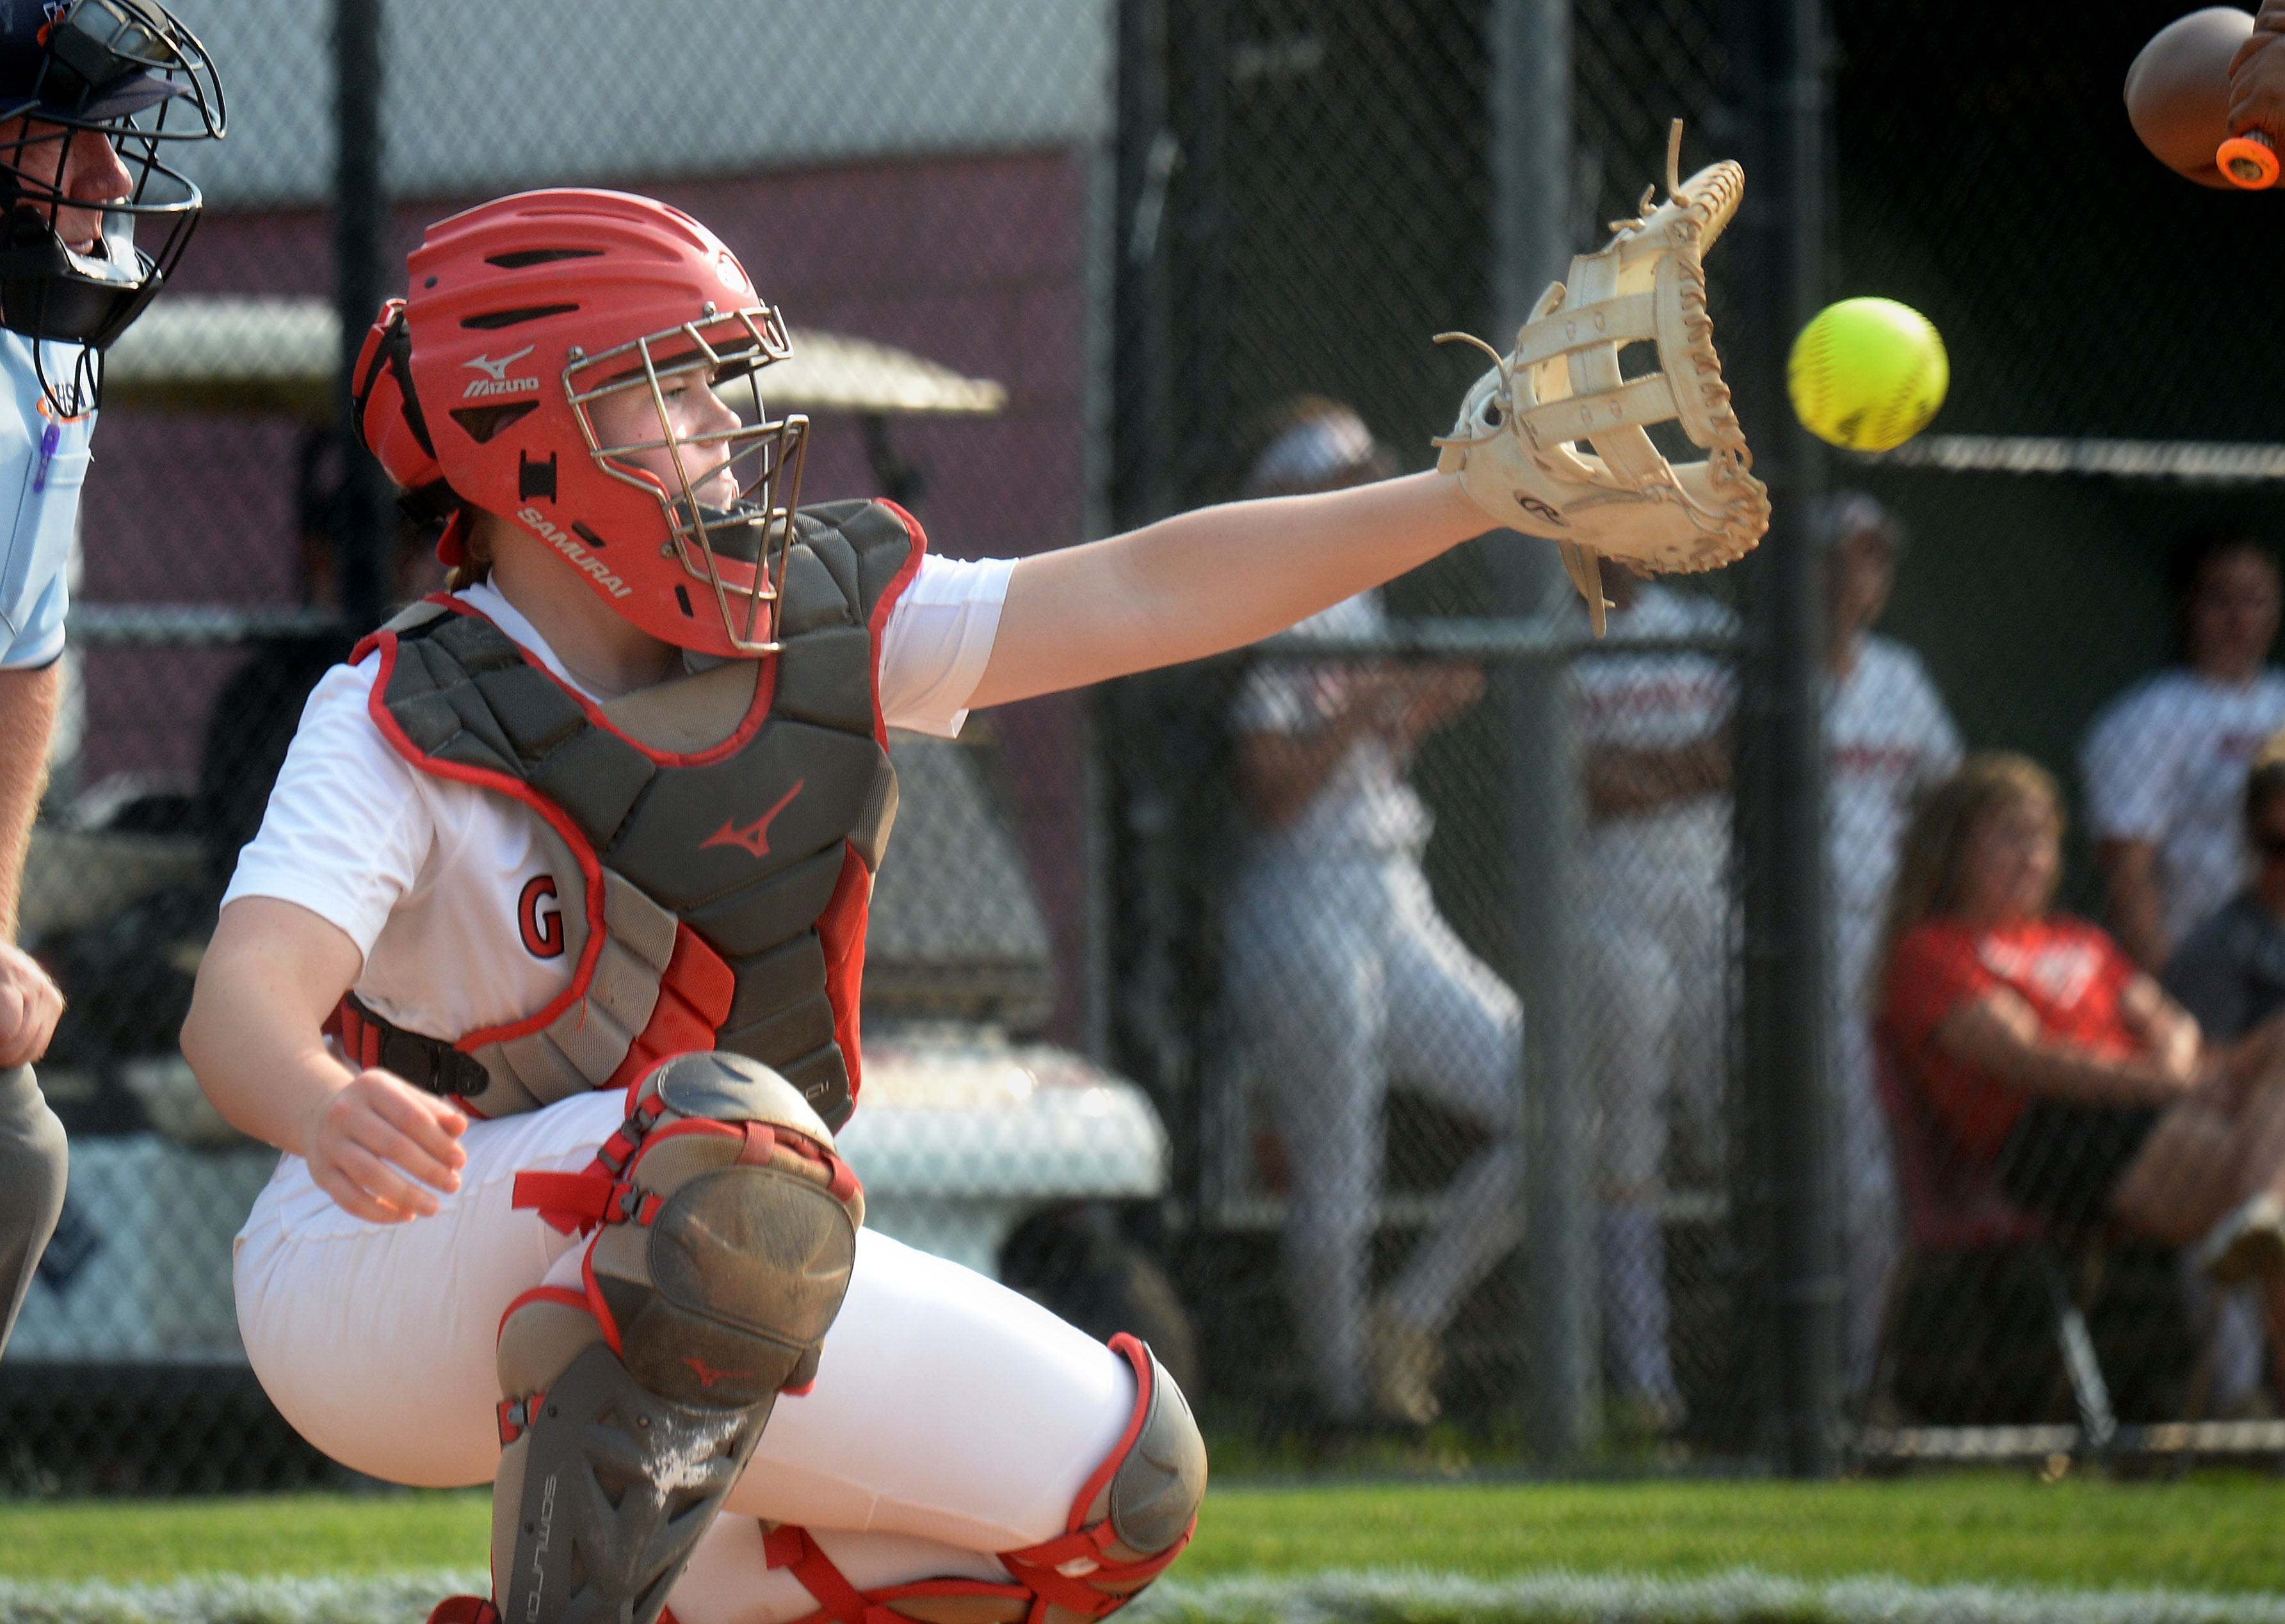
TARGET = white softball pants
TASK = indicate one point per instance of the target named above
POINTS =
(951, 1418)
(1871, 1222)
(1346, 979)
(1654, 986)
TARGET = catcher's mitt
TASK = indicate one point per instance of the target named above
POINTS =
(1512, 446)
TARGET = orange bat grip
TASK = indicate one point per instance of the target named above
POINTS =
(2249, 160)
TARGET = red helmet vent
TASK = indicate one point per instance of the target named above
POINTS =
(483, 422)
(492, 320)
(524, 257)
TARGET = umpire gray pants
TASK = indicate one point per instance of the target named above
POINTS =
(31, 1187)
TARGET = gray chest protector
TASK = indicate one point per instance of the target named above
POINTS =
(714, 837)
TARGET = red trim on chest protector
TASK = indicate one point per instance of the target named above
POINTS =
(500, 783)
(757, 712)
(879, 624)
(360, 1042)
(841, 932)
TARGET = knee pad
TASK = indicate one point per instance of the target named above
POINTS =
(1135, 1515)
(1129, 1520)
(724, 1230)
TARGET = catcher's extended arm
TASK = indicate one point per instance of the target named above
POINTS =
(1515, 445)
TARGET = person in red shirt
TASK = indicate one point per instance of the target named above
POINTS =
(2048, 1056)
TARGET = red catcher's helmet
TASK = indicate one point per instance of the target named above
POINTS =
(478, 389)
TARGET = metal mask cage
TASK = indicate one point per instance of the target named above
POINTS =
(49, 290)
(737, 552)
(93, 44)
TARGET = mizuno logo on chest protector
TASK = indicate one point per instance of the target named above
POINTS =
(754, 839)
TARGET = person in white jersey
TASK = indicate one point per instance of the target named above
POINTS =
(1345, 978)
(2164, 762)
(1654, 735)
(91, 93)
(544, 970)
(1887, 736)
(2163, 769)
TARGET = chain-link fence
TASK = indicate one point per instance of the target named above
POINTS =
(1969, 1317)
(1326, 869)
(1361, 1020)
(2084, 591)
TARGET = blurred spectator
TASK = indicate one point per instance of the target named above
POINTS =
(2230, 973)
(2230, 970)
(2046, 1054)
(1887, 736)
(1346, 979)
(2164, 762)
(1654, 732)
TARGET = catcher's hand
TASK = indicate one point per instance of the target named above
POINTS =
(1513, 445)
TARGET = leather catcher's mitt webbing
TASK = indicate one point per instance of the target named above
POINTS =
(1515, 445)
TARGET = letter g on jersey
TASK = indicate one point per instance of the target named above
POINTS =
(539, 918)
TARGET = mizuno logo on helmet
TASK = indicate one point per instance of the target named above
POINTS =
(576, 555)
(498, 370)
(496, 381)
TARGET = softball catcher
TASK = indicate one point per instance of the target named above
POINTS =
(572, 862)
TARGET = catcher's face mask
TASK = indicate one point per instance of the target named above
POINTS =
(90, 92)
(727, 479)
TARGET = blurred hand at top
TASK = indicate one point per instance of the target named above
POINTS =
(2256, 77)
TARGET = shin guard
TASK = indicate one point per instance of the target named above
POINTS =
(724, 1231)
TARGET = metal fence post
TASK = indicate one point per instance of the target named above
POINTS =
(1791, 1189)
(364, 511)
(1531, 161)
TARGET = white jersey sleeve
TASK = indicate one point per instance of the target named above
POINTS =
(2132, 764)
(1929, 721)
(348, 829)
(938, 640)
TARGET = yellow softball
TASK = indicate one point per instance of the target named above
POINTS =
(1867, 374)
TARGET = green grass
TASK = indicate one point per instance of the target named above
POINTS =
(2219, 1533)
(2211, 1532)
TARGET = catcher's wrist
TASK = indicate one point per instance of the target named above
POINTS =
(1461, 507)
